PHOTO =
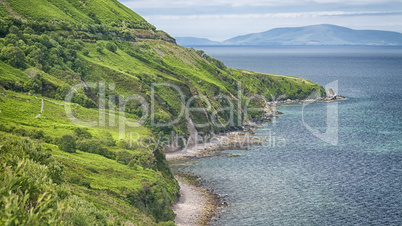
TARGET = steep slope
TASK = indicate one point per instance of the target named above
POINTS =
(99, 11)
(323, 34)
(99, 150)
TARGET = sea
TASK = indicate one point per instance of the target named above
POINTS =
(326, 163)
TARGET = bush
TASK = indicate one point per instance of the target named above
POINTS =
(95, 147)
(20, 131)
(107, 139)
(124, 157)
(48, 139)
(82, 212)
(77, 180)
(55, 170)
(143, 159)
(37, 134)
(67, 143)
(111, 47)
(29, 30)
(99, 47)
(85, 52)
(125, 145)
(13, 56)
(152, 198)
(82, 133)
(27, 195)
(62, 92)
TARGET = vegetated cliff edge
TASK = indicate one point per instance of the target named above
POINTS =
(114, 172)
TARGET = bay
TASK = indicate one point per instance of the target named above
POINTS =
(301, 179)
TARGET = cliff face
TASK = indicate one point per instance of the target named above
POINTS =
(117, 69)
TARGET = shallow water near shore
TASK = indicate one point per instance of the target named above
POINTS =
(302, 180)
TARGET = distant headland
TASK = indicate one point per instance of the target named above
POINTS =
(323, 34)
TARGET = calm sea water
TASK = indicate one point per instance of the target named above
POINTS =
(304, 180)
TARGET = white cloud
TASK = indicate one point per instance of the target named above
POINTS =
(266, 15)
(141, 4)
(222, 19)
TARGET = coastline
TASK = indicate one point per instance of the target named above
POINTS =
(198, 205)
(189, 207)
(230, 140)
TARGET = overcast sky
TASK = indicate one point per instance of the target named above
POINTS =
(219, 20)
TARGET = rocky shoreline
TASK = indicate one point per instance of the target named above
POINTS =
(239, 140)
(192, 184)
(210, 205)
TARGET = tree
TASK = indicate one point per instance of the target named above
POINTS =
(13, 56)
(29, 30)
(11, 39)
(62, 92)
(35, 57)
(67, 143)
(14, 30)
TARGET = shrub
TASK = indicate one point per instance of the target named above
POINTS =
(62, 92)
(90, 146)
(82, 212)
(29, 30)
(85, 52)
(20, 131)
(27, 195)
(48, 139)
(67, 143)
(37, 134)
(13, 56)
(99, 47)
(95, 147)
(82, 133)
(142, 159)
(23, 147)
(152, 198)
(78, 180)
(125, 145)
(111, 47)
(108, 140)
(55, 170)
(124, 157)
(3, 128)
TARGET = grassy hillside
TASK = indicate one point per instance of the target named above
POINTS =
(99, 11)
(94, 162)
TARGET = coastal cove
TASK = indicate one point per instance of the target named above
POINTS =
(308, 181)
(107, 120)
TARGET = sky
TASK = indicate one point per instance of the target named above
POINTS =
(219, 20)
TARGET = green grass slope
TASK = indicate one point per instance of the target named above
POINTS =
(73, 11)
(95, 166)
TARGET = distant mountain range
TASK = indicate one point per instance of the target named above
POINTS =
(188, 41)
(323, 34)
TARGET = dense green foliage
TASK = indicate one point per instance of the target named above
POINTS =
(30, 190)
(96, 174)
(67, 143)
